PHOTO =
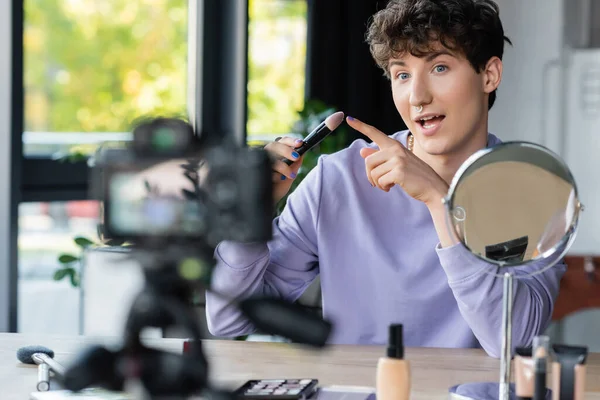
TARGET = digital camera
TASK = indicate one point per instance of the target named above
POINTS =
(167, 186)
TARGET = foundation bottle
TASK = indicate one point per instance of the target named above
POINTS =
(393, 371)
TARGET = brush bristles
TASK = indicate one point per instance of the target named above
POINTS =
(334, 120)
(25, 354)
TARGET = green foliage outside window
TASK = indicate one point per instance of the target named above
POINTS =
(276, 65)
(96, 66)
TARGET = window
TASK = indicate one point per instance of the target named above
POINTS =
(91, 68)
(94, 67)
(276, 66)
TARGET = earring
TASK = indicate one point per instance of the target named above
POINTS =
(420, 108)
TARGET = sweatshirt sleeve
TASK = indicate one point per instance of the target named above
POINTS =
(284, 267)
(478, 289)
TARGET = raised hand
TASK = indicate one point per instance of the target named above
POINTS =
(392, 164)
(283, 174)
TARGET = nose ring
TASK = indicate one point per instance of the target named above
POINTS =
(420, 108)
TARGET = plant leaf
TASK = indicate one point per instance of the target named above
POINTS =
(61, 273)
(83, 242)
(74, 278)
(67, 258)
(76, 157)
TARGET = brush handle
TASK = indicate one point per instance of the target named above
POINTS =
(300, 150)
(310, 141)
(43, 384)
(57, 368)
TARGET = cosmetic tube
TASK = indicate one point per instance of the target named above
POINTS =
(568, 372)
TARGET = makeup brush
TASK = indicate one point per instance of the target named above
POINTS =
(318, 134)
(44, 358)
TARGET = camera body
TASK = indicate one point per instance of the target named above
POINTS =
(168, 187)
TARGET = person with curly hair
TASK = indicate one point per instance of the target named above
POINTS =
(369, 219)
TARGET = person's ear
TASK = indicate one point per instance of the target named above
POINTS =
(492, 75)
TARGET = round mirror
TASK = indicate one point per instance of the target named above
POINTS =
(513, 204)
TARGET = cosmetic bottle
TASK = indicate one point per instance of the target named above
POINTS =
(393, 371)
(569, 372)
(523, 365)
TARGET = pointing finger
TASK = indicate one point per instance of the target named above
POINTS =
(366, 152)
(379, 138)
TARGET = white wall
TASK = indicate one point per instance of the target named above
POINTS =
(48, 307)
(110, 283)
(520, 112)
(540, 98)
(582, 143)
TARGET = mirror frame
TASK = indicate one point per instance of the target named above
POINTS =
(474, 162)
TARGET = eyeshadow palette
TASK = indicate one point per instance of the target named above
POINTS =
(278, 389)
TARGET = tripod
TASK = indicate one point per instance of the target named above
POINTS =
(164, 302)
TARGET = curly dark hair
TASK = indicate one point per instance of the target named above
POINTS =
(470, 27)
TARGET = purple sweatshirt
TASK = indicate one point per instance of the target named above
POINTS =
(380, 262)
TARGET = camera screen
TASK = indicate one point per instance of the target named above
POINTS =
(150, 202)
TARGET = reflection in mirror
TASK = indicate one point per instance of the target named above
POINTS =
(512, 204)
(514, 210)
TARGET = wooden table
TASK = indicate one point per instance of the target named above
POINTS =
(433, 370)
